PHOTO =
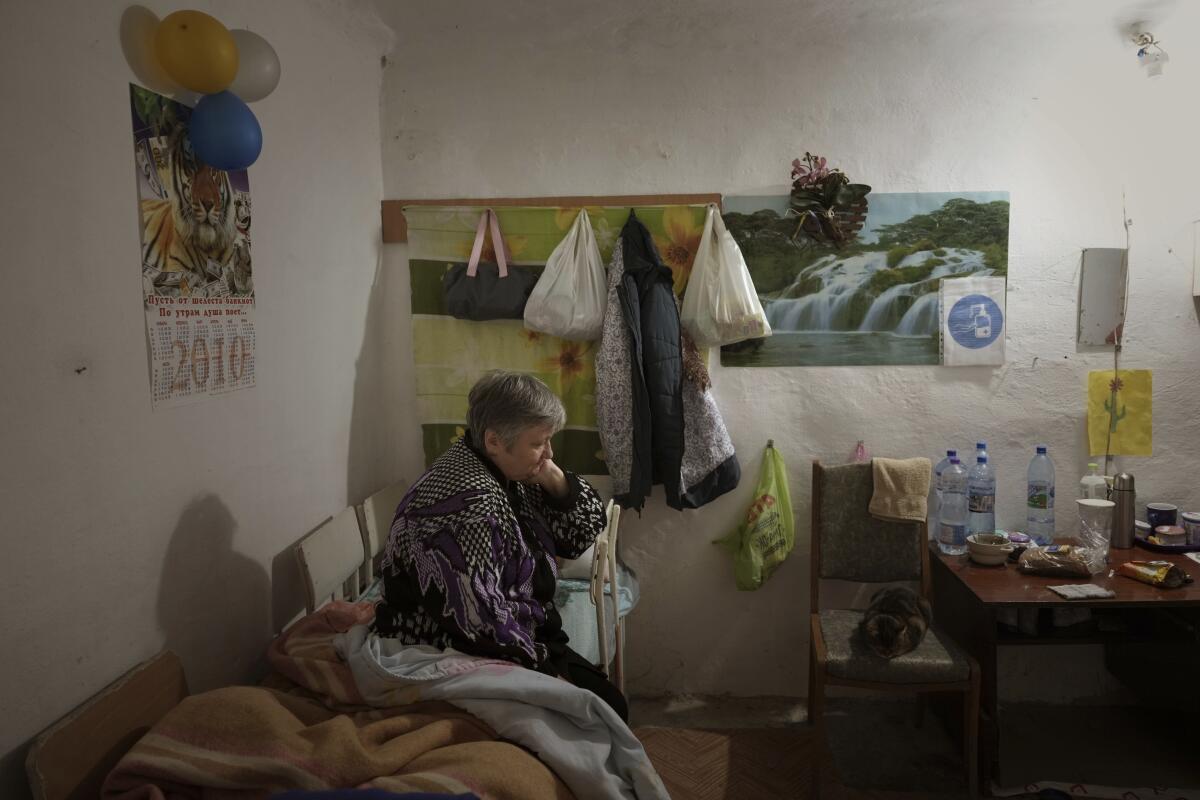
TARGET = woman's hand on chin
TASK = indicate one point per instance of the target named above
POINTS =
(551, 478)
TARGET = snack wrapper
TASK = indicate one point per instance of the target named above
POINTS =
(1162, 574)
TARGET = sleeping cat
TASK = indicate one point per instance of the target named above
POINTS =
(896, 621)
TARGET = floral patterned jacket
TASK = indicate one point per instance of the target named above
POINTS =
(470, 554)
(657, 424)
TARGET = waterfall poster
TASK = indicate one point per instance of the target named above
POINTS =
(874, 300)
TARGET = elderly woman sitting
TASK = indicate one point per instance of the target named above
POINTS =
(470, 563)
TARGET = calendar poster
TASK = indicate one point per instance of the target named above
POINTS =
(197, 282)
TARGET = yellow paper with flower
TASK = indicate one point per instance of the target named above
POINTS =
(1120, 412)
(451, 354)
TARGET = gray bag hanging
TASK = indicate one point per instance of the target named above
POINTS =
(487, 291)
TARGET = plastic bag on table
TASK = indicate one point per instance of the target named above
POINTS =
(720, 304)
(1059, 560)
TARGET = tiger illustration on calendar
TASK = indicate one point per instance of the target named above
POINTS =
(195, 239)
(197, 283)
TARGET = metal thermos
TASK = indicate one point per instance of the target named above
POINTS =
(1122, 493)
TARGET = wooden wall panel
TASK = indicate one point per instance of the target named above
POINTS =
(395, 227)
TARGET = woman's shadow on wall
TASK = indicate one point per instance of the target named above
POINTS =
(213, 602)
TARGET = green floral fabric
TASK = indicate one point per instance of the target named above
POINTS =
(451, 354)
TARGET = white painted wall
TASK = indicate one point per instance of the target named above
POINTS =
(125, 530)
(1044, 100)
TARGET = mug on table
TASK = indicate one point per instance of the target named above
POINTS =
(1161, 514)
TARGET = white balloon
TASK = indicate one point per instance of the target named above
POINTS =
(258, 66)
(138, 25)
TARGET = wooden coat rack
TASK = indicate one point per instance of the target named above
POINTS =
(395, 226)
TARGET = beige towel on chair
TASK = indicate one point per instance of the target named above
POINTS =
(901, 489)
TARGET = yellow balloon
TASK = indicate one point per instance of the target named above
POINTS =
(197, 51)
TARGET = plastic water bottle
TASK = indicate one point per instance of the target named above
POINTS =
(938, 469)
(1039, 483)
(952, 515)
(981, 498)
(1093, 486)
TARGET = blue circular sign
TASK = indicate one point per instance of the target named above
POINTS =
(975, 321)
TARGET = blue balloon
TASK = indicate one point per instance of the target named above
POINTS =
(224, 132)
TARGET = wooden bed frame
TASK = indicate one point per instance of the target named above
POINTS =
(375, 521)
(338, 560)
(71, 758)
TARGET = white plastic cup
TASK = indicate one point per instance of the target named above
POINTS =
(1095, 528)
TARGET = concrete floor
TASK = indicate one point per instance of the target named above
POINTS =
(718, 712)
(875, 744)
(1107, 746)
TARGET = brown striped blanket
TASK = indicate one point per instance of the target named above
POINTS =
(307, 728)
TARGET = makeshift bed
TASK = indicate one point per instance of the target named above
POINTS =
(342, 708)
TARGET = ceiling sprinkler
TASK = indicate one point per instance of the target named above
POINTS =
(1150, 54)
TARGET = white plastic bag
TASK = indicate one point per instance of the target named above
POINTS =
(720, 305)
(569, 298)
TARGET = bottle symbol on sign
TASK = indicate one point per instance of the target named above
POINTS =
(982, 322)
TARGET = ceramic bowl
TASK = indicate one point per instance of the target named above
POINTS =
(988, 548)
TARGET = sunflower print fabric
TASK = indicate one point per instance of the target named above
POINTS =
(451, 354)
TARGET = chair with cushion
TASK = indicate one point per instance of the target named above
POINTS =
(849, 544)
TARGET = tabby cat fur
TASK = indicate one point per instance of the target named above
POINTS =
(896, 621)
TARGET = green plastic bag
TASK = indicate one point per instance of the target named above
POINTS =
(763, 541)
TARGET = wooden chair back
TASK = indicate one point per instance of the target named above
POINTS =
(905, 544)
(604, 571)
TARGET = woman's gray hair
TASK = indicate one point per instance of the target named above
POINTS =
(510, 402)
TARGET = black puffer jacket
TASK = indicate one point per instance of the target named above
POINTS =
(677, 430)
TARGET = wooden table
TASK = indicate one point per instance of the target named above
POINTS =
(968, 598)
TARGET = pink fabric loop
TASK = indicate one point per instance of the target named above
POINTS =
(498, 244)
(477, 249)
